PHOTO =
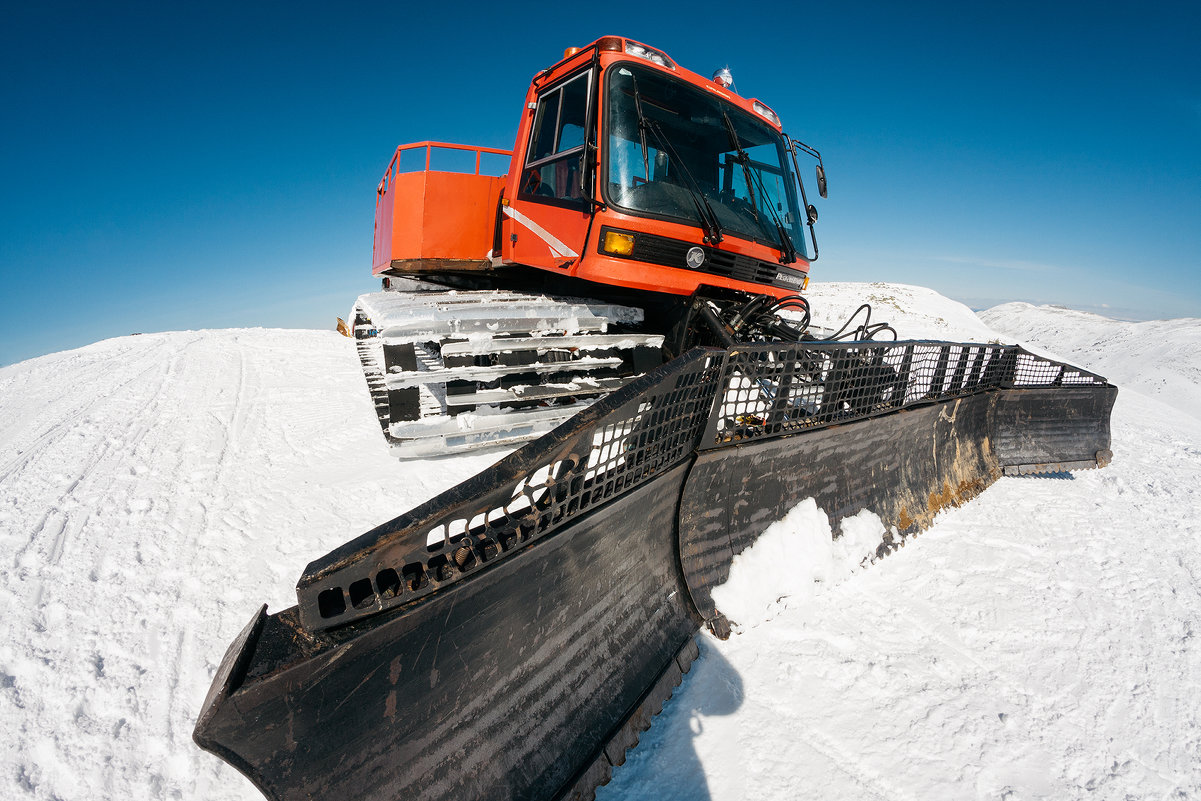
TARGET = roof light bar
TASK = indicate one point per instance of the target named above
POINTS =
(765, 112)
(649, 53)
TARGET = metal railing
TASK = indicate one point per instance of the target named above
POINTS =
(774, 390)
(394, 164)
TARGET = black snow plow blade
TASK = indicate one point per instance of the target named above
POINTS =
(512, 637)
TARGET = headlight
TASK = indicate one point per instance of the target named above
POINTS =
(649, 53)
(618, 244)
(766, 112)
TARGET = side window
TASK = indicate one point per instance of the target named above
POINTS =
(545, 121)
(552, 168)
(572, 118)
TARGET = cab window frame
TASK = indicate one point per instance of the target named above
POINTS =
(555, 94)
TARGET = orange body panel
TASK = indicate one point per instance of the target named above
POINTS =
(523, 246)
(444, 215)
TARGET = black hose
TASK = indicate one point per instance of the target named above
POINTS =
(759, 320)
(862, 333)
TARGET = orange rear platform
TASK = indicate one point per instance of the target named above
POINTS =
(427, 219)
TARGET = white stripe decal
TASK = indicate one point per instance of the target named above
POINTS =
(557, 248)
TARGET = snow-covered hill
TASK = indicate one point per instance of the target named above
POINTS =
(914, 311)
(1037, 643)
(1158, 358)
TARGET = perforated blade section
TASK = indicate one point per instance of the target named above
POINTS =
(614, 446)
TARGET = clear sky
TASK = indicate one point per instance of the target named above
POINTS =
(174, 165)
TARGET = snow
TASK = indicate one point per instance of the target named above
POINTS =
(916, 312)
(1159, 357)
(1038, 642)
(153, 491)
(791, 559)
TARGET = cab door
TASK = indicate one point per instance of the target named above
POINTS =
(547, 221)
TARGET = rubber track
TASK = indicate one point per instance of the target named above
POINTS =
(374, 375)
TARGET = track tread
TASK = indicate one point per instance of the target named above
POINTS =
(474, 324)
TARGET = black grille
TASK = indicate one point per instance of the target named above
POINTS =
(671, 253)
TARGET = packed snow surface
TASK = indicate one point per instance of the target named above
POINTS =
(1039, 642)
(154, 490)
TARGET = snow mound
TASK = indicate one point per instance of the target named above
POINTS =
(1160, 358)
(915, 312)
(792, 560)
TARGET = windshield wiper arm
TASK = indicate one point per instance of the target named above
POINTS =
(708, 217)
(642, 126)
(743, 159)
(787, 249)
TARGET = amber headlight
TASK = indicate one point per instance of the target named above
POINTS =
(618, 244)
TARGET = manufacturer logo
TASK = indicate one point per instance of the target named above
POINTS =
(794, 280)
(694, 258)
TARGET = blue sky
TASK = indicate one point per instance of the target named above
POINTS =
(171, 166)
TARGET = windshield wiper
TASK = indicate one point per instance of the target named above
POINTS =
(642, 126)
(743, 159)
(708, 218)
(787, 249)
(788, 255)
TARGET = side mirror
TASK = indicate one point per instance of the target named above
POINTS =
(821, 180)
(811, 210)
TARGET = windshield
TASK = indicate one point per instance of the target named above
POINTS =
(676, 151)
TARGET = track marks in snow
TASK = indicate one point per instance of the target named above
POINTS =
(160, 486)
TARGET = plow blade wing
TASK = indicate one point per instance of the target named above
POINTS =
(511, 637)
